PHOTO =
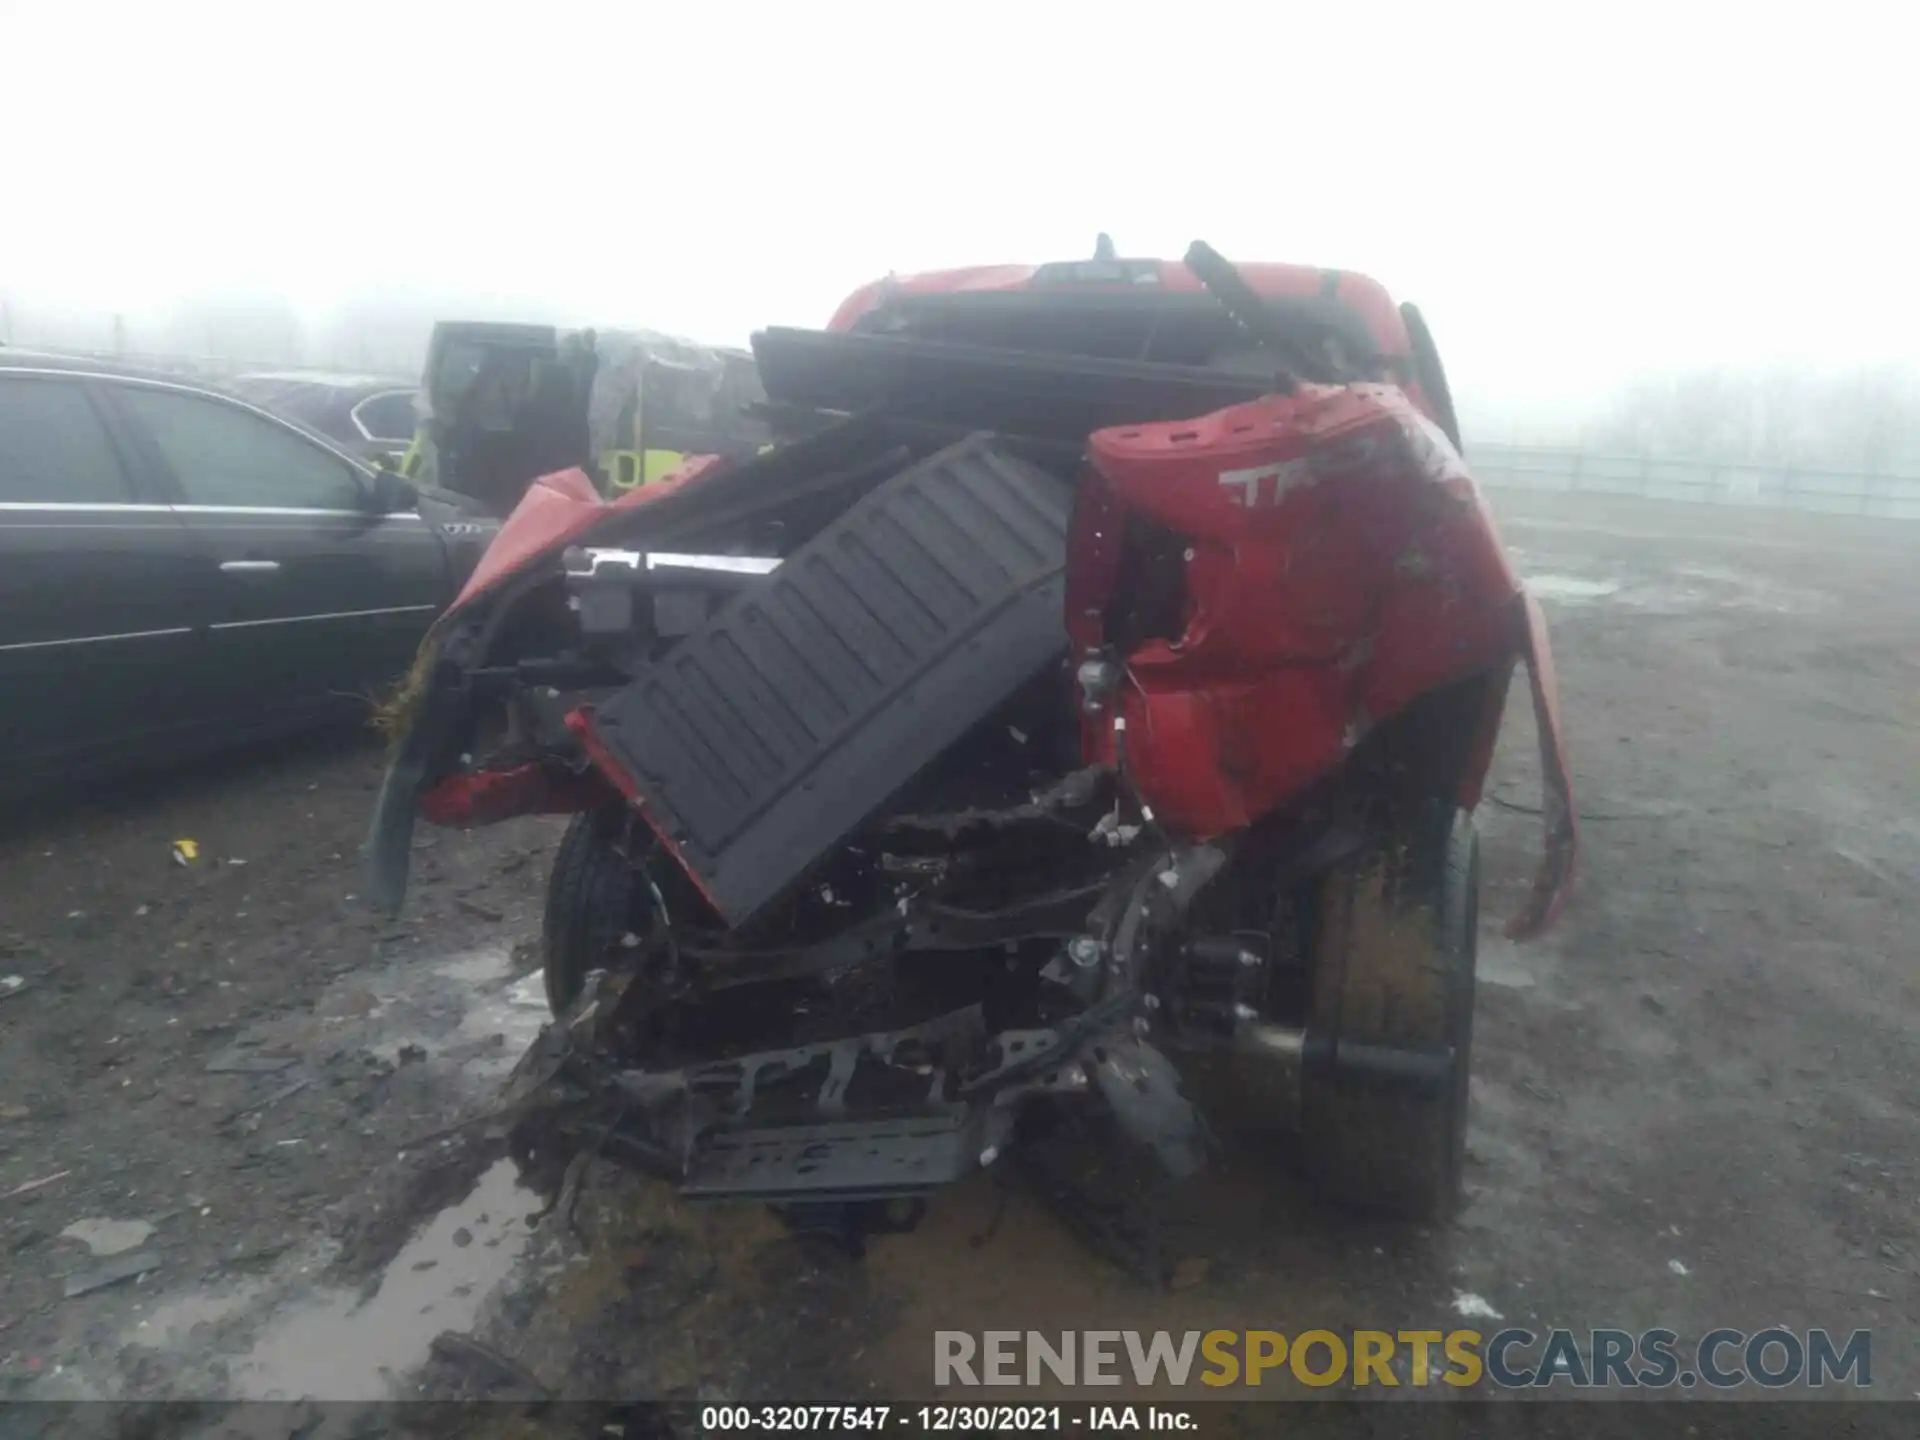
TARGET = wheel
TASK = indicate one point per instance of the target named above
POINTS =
(590, 903)
(1384, 1082)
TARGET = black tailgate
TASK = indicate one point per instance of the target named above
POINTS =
(770, 734)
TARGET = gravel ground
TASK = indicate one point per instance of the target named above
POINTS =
(1694, 1101)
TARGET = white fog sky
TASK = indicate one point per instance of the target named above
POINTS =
(1572, 193)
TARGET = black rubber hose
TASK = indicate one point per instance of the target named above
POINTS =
(1433, 378)
(1228, 286)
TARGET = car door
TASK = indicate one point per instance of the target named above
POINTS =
(314, 602)
(97, 650)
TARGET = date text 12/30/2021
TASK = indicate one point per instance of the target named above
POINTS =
(942, 1419)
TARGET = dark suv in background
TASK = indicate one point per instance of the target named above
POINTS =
(181, 570)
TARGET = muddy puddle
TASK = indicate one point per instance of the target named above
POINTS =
(473, 1009)
(448, 1028)
(474, 1014)
(337, 1344)
(343, 1345)
(1685, 588)
(1570, 589)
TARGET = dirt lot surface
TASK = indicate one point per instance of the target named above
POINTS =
(1694, 1101)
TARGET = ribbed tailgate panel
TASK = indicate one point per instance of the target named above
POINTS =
(772, 733)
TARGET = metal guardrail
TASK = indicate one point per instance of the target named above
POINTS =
(1837, 492)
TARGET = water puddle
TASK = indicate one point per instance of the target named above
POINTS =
(1570, 589)
(486, 966)
(190, 1319)
(1698, 587)
(471, 1009)
(1501, 962)
(1682, 589)
(343, 1345)
(504, 1011)
(1528, 974)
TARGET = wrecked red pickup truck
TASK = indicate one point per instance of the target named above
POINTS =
(1097, 680)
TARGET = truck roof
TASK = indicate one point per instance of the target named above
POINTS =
(1129, 283)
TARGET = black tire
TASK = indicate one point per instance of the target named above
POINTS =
(590, 902)
(1393, 958)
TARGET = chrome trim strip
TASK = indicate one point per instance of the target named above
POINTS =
(102, 507)
(290, 510)
(731, 564)
(604, 556)
(330, 615)
(95, 639)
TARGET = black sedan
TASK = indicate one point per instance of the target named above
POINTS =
(180, 571)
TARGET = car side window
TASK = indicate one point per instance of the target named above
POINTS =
(53, 448)
(387, 417)
(224, 455)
